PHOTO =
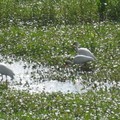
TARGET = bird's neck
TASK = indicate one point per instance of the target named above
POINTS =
(76, 49)
(68, 62)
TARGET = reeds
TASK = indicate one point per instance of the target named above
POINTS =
(58, 12)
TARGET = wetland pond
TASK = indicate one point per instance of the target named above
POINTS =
(37, 78)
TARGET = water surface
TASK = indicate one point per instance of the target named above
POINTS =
(36, 78)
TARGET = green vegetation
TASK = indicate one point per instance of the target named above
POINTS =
(45, 12)
(50, 45)
(43, 32)
(92, 105)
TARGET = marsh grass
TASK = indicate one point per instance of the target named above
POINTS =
(53, 45)
(91, 105)
(65, 12)
(44, 32)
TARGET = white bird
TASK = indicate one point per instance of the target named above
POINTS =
(83, 51)
(80, 59)
(4, 70)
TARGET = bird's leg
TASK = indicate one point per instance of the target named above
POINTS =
(85, 67)
(2, 78)
(6, 81)
(77, 69)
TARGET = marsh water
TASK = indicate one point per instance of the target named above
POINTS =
(36, 78)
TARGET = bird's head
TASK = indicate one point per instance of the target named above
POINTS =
(76, 45)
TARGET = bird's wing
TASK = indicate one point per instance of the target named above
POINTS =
(85, 51)
(80, 59)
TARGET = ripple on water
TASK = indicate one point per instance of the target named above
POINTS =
(24, 80)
